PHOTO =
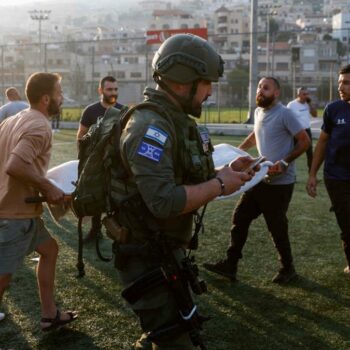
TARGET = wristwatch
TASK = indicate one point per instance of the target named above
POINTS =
(284, 163)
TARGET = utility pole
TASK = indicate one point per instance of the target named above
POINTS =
(39, 15)
(253, 59)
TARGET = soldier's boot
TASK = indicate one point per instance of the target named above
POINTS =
(226, 268)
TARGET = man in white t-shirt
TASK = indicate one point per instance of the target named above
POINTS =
(304, 109)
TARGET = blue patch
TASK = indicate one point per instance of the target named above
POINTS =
(149, 151)
(205, 136)
(156, 134)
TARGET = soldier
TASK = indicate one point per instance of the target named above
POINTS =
(171, 175)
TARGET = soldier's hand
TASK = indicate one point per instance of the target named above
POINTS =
(233, 180)
(246, 164)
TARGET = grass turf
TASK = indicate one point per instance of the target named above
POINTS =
(310, 313)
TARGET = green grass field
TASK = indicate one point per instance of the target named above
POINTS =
(310, 313)
(209, 114)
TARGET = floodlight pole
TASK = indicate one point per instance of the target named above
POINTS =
(40, 15)
(253, 66)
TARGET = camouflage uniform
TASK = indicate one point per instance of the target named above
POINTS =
(162, 154)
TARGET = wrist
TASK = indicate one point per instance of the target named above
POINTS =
(284, 164)
(222, 185)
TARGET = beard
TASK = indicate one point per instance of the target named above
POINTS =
(54, 107)
(110, 100)
(263, 101)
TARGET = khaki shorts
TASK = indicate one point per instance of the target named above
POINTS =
(18, 238)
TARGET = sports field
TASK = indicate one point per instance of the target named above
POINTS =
(310, 313)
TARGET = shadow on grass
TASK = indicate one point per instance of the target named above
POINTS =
(66, 338)
(11, 336)
(261, 320)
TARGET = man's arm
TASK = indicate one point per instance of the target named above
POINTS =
(317, 160)
(248, 142)
(313, 109)
(81, 132)
(27, 174)
(302, 142)
(198, 195)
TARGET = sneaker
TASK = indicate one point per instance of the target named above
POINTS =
(92, 236)
(223, 268)
(2, 316)
(285, 275)
(347, 270)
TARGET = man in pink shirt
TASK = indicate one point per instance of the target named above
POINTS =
(25, 143)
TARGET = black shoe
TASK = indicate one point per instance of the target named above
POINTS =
(285, 275)
(223, 268)
(92, 236)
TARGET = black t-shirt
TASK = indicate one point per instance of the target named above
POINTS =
(94, 111)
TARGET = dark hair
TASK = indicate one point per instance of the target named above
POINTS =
(278, 86)
(302, 88)
(107, 78)
(11, 92)
(40, 84)
(345, 69)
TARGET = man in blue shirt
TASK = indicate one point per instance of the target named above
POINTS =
(108, 90)
(333, 147)
(14, 105)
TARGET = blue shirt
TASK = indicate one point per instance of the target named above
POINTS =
(12, 108)
(336, 123)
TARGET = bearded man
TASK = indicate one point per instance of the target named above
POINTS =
(108, 91)
(274, 131)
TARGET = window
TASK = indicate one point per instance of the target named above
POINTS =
(135, 75)
(309, 67)
(309, 52)
(120, 74)
(284, 66)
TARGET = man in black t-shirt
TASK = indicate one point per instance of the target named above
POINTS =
(108, 90)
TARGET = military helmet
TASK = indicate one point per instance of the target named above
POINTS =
(184, 58)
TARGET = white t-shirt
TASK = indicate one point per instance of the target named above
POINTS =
(302, 110)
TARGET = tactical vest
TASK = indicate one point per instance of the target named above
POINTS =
(192, 157)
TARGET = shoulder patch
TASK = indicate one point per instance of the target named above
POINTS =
(149, 151)
(157, 135)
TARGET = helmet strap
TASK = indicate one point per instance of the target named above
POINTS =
(185, 103)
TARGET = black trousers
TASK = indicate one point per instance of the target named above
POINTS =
(272, 201)
(339, 194)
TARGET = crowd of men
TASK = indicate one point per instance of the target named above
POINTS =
(171, 175)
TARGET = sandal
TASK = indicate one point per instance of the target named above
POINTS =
(56, 322)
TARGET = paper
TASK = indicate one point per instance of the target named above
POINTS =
(225, 153)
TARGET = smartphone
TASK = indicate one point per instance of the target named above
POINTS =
(257, 161)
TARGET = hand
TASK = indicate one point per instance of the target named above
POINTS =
(233, 180)
(311, 186)
(54, 195)
(246, 164)
(276, 169)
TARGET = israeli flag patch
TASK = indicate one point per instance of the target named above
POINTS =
(149, 151)
(157, 135)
